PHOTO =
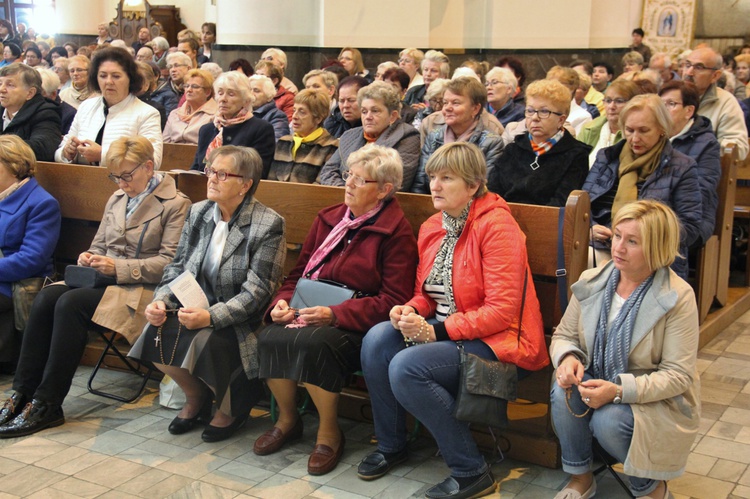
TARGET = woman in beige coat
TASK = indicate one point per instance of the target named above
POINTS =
(625, 354)
(136, 239)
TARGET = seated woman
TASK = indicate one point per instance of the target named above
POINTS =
(11, 54)
(434, 65)
(464, 100)
(351, 59)
(367, 244)
(282, 98)
(410, 60)
(234, 123)
(693, 136)
(501, 86)
(643, 166)
(78, 91)
(632, 61)
(605, 130)
(116, 112)
(434, 98)
(544, 165)
(300, 157)
(472, 270)
(322, 81)
(625, 353)
(234, 247)
(379, 104)
(29, 228)
(264, 106)
(199, 109)
(152, 211)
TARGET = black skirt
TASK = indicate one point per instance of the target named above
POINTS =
(322, 356)
(213, 356)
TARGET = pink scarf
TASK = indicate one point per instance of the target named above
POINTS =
(335, 237)
(220, 122)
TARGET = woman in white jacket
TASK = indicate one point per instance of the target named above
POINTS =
(116, 113)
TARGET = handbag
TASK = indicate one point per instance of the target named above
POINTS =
(78, 276)
(23, 293)
(319, 293)
(485, 386)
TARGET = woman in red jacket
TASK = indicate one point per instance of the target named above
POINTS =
(470, 281)
(367, 244)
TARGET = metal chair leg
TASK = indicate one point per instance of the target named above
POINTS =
(134, 368)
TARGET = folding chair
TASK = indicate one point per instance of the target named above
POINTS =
(133, 366)
(608, 463)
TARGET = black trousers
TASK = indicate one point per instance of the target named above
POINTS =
(54, 340)
(8, 336)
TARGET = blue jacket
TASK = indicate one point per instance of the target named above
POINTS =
(275, 116)
(490, 143)
(29, 229)
(674, 182)
(700, 143)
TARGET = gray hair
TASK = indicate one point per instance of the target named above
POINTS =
(212, 68)
(436, 88)
(381, 163)
(278, 53)
(442, 59)
(380, 91)
(266, 85)
(161, 43)
(247, 162)
(50, 81)
(503, 75)
(329, 79)
(179, 58)
(235, 81)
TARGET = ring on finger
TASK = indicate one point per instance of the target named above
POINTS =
(587, 400)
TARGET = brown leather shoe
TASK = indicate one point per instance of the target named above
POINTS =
(324, 459)
(273, 439)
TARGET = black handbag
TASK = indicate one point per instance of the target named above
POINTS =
(486, 386)
(78, 276)
(319, 293)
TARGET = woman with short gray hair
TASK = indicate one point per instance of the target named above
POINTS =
(501, 86)
(381, 124)
(264, 106)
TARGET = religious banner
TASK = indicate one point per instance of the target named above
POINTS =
(669, 25)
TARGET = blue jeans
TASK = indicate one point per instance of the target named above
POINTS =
(612, 425)
(423, 380)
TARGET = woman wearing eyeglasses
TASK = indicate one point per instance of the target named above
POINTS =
(605, 130)
(644, 166)
(501, 86)
(234, 247)
(78, 91)
(234, 123)
(199, 109)
(367, 244)
(137, 237)
(543, 165)
(115, 112)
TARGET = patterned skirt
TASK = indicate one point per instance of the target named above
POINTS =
(213, 356)
(322, 356)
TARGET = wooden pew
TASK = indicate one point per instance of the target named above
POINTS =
(742, 202)
(530, 436)
(178, 156)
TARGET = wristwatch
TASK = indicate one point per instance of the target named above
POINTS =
(618, 395)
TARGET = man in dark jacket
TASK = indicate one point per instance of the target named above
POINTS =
(346, 115)
(26, 113)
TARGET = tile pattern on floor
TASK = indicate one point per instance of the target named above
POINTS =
(113, 450)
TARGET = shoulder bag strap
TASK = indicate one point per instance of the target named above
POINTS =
(140, 241)
(561, 272)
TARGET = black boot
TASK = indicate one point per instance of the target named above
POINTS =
(12, 408)
(36, 416)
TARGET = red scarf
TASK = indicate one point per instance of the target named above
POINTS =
(220, 122)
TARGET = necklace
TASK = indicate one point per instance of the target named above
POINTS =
(535, 164)
(158, 341)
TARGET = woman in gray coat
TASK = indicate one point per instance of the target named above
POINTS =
(234, 247)
(380, 106)
(137, 237)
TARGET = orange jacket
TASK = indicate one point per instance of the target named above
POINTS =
(489, 266)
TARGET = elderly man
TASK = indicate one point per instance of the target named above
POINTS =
(662, 64)
(277, 57)
(703, 68)
(346, 114)
(169, 92)
(26, 113)
(145, 54)
(144, 36)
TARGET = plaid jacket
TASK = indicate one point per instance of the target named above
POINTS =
(250, 271)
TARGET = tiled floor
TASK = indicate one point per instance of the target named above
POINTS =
(108, 449)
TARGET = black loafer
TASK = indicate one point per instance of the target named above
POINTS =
(449, 488)
(179, 425)
(12, 408)
(219, 433)
(36, 416)
(376, 465)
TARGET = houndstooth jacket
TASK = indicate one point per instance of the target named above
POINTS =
(249, 274)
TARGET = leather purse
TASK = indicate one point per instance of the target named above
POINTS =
(319, 293)
(78, 276)
(23, 293)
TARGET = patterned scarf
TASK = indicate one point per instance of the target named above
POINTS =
(135, 201)
(442, 267)
(611, 349)
(299, 140)
(220, 122)
(335, 237)
(545, 146)
(634, 169)
(185, 115)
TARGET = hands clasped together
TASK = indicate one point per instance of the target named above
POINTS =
(595, 393)
(282, 313)
(191, 318)
(413, 326)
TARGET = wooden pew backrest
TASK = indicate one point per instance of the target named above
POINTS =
(178, 156)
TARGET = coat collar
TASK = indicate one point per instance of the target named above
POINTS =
(387, 221)
(150, 208)
(236, 233)
(659, 300)
(15, 201)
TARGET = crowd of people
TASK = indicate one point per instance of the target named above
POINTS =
(644, 144)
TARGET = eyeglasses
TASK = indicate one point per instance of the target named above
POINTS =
(171, 66)
(125, 177)
(221, 176)
(77, 70)
(698, 67)
(356, 179)
(609, 100)
(405, 60)
(672, 104)
(493, 83)
(435, 102)
(542, 113)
